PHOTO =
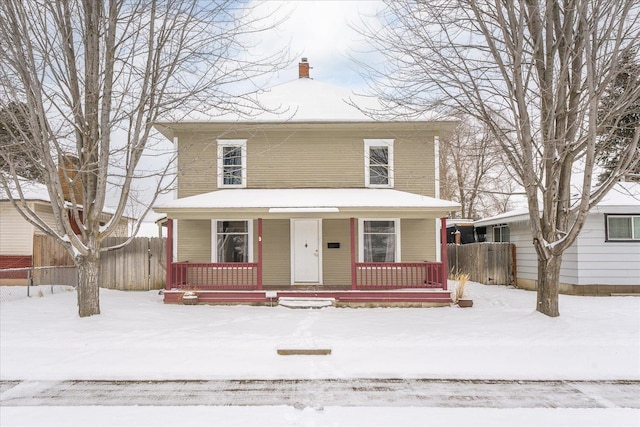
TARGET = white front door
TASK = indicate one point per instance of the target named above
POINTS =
(306, 250)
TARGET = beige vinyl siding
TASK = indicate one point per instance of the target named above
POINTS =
(417, 239)
(45, 212)
(197, 163)
(16, 234)
(337, 262)
(414, 165)
(194, 241)
(285, 157)
(276, 252)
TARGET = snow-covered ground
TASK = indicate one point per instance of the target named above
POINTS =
(137, 337)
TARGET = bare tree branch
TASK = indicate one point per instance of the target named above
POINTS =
(94, 77)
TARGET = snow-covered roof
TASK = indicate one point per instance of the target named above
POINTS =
(35, 191)
(303, 200)
(303, 100)
(31, 190)
(622, 194)
(520, 214)
(625, 195)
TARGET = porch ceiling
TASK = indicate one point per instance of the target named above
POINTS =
(324, 202)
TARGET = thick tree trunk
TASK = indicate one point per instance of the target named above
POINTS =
(88, 286)
(548, 285)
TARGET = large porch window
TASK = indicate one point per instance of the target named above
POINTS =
(232, 241)
(379, 240)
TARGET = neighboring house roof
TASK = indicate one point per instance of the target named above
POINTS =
(521, 214)
(31, 190)
(622, 194)
(625, 195)
(35, 191)
(307, 200)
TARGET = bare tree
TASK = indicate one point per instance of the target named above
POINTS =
(473, 171)
(535, 73)
(88, 70)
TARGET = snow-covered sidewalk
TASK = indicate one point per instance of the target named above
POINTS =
(319, 394)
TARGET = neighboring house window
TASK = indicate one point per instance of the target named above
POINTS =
(232, 163)
(623, 227)
(379, 240)
(378, 162)
(232, 241)
(501, 233)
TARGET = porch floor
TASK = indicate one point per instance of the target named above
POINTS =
(343, 296)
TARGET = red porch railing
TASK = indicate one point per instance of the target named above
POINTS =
(381, 275)
(215, 276)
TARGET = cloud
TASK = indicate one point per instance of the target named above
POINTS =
(320, 31)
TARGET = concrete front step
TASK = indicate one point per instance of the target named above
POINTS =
(306, 302)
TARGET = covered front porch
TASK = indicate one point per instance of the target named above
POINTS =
(372, 283)
(264, 252)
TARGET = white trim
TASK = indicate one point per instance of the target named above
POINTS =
(438, 227)
(292, 249)
(175, 240)
(398, 255)
(436, 156)
(214, 237)
(174, 169)
(303, 210)
(242, 143)
(368, 144)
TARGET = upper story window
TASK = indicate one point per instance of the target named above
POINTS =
(232, 163)
(379, 240)
(623, 227)
(378, 163)
(232, 241)
(501, 233)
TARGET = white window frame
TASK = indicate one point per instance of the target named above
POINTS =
(635, 236)
(242, 144)
(371, 143)
(214, 237)
(396, 226)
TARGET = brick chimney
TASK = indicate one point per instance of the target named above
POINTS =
(303, 69)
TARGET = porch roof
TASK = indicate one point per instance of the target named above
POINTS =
(321, 201)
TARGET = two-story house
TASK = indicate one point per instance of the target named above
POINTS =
(312, 198)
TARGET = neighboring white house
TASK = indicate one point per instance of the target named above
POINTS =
(605, 258)
(17, 234)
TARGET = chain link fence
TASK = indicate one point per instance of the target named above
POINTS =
(19, 283)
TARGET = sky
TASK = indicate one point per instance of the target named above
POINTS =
(320, 31)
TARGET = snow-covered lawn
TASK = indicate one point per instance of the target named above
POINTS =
(137, 337)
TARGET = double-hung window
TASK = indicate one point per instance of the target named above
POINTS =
(232, 163)
(379, 240)
(623, 227)
(378, 163)
(232, 241)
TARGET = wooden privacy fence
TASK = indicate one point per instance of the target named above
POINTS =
(138, 266)
(488, 263)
